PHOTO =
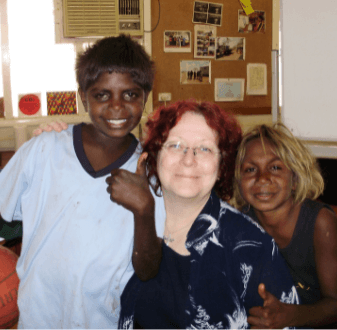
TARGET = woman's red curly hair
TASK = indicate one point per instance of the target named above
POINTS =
(227, 127)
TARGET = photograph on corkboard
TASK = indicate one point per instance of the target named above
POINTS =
(229, 89)
(204, 41)
(177, 42)
(195, 72)
(61, 103)
(207, 13)
(255, 22)
(230, 49)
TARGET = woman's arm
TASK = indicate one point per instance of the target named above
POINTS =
(275, 314)
(132, 191)
(57, 126)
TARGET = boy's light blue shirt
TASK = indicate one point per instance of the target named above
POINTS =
(77, 244)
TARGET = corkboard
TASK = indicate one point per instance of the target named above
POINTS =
(177, 15)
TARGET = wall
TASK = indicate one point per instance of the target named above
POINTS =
(174, 14)
(309, 46)
(177, 15)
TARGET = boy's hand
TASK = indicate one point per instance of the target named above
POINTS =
(57, 126)
(131, 190)
(273, 314)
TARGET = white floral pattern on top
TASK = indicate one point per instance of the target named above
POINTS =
(247, 271)
(238, 320)
(128, 323)
(230, 255)
(291, 298)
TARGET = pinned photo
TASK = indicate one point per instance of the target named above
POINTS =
(207, 13)
(177, 42)
(254, 23)
(195, 72)
(230, 49)
(204, 41)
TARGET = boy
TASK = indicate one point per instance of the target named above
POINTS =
(77, 243)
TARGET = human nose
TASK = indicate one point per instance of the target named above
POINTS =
(264, 177)
(116, 103)
(188, 156)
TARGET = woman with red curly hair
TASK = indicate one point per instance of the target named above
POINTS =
(213, 257)
(228, 135)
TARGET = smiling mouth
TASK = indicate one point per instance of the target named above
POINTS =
(264, 195)
(187, 176)
(116, 122)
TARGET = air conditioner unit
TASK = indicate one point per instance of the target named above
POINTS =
(101, 18)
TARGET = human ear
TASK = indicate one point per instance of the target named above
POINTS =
(83, 99)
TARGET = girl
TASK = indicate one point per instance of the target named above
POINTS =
(277, 182)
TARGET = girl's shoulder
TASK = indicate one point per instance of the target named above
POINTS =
(314, 213)
(326, 222)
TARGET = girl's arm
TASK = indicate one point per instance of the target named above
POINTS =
(275, 314)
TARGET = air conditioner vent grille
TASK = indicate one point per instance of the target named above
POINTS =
(93, 18)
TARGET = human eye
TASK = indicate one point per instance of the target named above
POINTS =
(174, 145)
(276, 167)
(102, 96)
(248, 169)
(205, 149)
(131, 96)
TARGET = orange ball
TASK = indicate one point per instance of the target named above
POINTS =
(9, 285)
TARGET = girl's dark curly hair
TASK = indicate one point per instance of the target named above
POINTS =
(227, 127)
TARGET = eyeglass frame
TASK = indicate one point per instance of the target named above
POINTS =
(183, 151)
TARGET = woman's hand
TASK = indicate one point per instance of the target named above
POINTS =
(57, 126)
(273, 314)
(131, 190)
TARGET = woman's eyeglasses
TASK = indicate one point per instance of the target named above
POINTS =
(202, 152)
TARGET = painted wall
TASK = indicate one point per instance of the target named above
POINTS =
(309, 70)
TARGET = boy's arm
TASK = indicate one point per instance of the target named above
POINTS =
(275, 314)
(132, 191)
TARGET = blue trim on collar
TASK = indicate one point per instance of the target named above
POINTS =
(79, 150)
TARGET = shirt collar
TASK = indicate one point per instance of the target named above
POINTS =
(205, 223)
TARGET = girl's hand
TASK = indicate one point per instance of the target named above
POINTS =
(57, 126)
(273, 314)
